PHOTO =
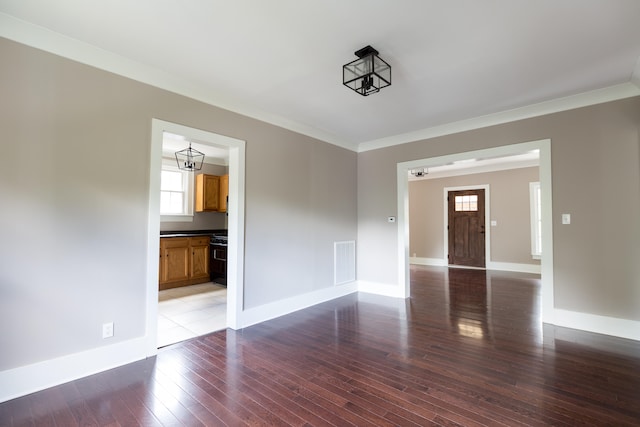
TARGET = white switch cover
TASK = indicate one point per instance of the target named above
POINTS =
(494, 223)
(566, 218)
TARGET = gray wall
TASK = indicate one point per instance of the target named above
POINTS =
(74, 209)
(201, 220)
(74, 188)
(509, 192)
(595, 156)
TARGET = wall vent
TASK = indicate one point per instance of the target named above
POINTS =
(344, 262)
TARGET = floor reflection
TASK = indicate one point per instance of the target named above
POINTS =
(468, 302)
(486, 305)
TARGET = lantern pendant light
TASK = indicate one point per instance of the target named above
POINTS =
(189, 159)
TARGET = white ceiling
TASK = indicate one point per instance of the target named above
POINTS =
(213, 154)
(453, 61)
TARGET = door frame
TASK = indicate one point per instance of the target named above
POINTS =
(235, 249)
(487, 222)
(546, 260)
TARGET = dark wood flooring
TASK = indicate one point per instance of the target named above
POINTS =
(466, 349)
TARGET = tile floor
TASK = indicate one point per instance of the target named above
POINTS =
(191, 311)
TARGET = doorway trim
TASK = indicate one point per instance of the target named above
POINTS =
(487, 222)
(235, 253)
(546, 261)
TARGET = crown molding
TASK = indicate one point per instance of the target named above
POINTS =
(50, 41)
(598, 96)
(67, 47)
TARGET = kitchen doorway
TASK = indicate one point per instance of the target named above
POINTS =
(193, 227)
(235, 225)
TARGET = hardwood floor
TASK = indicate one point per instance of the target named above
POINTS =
(466, 349)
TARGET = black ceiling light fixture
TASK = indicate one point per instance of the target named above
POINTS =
(189, 159)
(367, 74)
(418, 172)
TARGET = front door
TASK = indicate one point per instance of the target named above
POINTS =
(466, 228)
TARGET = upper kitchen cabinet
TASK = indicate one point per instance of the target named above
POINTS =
(211, 193)
(207, 193)
(224, 193)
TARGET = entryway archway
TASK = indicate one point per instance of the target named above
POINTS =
(544, 147)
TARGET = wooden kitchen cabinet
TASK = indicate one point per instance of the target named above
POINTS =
(207, 193)
(224, 193)
(199, 266)
(184, 261)
(174, 260)
(211, 193)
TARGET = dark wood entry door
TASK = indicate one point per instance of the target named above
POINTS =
(466, 228)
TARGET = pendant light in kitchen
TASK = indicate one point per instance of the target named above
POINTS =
(189, 159)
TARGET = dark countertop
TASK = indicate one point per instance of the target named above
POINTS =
(193, 233)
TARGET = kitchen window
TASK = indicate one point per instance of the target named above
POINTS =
(176, 193)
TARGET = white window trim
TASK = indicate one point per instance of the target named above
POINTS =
(168, 164)
(534, 202)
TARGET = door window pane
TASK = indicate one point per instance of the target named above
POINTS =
(466, 203)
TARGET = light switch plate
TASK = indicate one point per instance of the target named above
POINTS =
(107, 330)
(566, 218)
(494, 223)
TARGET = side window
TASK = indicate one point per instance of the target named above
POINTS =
(536, 220)
(176, 195)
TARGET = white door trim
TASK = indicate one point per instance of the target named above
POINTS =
(402, 175)
(487, 220)
(235, 209)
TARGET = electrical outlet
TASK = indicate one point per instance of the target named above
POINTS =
(107, 330)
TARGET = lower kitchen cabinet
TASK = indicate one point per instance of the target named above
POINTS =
(184, 261)
(199, 266)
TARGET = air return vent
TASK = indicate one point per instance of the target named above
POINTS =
(344, 262)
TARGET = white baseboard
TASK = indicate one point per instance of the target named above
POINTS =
(438, 262)
(491, 265)
(512, 266)
(383, 289)
(39, 376)
(275, 309)
(622, 328)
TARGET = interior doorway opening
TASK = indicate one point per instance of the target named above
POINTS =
(546, 267)
(192, 296)
(235, 222)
